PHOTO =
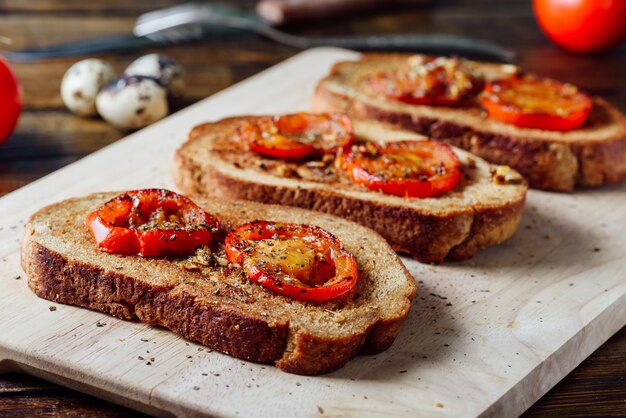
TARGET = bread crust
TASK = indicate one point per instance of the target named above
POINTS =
(429, 235)
(243, 322)
(56, 277)
(592, 156)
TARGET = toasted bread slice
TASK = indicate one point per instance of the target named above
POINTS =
(219, 309)
(592, 155)
(479, 212)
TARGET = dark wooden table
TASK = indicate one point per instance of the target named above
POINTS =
(48, 137)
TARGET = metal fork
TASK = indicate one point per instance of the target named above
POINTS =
(188, 22)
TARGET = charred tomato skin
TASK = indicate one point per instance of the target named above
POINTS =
(431, 81)
(151, 222)
(338, 271)
(296, 136)
(530, 102)
(412, 169)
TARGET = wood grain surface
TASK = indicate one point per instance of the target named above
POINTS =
(48, 137)
(506, 325)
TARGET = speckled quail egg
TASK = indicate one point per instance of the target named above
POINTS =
(81, 84)
(132, 102)
(161, 67)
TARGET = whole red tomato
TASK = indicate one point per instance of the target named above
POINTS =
(582, 25)
(10, 101)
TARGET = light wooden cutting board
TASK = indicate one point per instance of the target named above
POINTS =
(485, 337)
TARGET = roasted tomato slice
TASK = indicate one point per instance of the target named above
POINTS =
(303, 262)
(402, 168)
(151, 222)
(428, 80)
(536, 103)
(293, 137)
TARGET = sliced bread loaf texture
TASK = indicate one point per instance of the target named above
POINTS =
(484, 209)
(205, 299)
(592, 155)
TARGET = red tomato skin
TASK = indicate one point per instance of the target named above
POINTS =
(412, 188)
(291, 149)
(10, 101)
(123, 240)
(513, 115)
(345, 263)
(156, 243)
(536, 121)
(112, 238)
(291, 154)
(582, 25)
(340, 290)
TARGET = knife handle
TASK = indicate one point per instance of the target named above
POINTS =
(280, 12)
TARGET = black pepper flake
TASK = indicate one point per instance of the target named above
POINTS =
(320, 410)
(145, 340)
(100, 324)
(18, 277)
(596, 250)
(196, 388)
(52, 308)
(140, 358)
(403, 371)
(298, 384)
(148, 363)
